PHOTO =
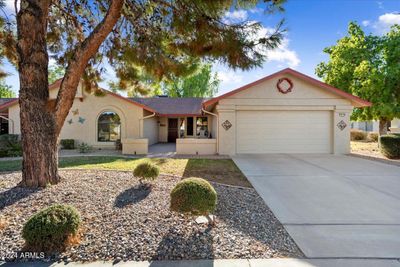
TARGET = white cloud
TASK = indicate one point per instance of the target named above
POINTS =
(229, 77)
(235, 16)
(9, 8)
(380, 5)
(390, 19)
(240, 15)
(282, 54)
(384, 22)
(366, 23)
(256, 10)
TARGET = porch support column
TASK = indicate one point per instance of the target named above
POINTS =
(226, 136)
(341, 130)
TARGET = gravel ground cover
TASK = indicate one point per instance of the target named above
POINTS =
(370, 150)
(123, 221)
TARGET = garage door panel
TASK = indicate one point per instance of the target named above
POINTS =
(284, 132)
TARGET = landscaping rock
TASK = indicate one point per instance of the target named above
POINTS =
(203, 219)
(119, 222)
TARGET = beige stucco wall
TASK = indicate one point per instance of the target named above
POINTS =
(135, 146)
(150, 130)
(89, 108)
(163, 129)
(196, 146)
(265, 96)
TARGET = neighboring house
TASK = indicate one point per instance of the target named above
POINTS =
(373, 126)
(4, 122)
(286, 112)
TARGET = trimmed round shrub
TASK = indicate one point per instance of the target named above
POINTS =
(67, 143)
(357, 135)
(195, 196)
(373, 137)
(51, 228)
(146, 171)
(390, 145)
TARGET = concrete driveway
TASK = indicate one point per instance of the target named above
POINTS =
(332, 206)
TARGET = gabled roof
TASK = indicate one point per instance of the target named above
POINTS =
(172, 106)
(6, 100)
(358, 102)
(192, 106)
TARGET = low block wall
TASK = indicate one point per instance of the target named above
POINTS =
(135, 146)
(394, 130)
(193, 146)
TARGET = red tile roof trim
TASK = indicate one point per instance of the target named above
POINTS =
(356, 99)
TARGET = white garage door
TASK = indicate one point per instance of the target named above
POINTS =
(284, 132)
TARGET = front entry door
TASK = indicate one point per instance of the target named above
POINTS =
(172, 130)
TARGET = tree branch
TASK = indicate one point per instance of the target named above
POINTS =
(76, 67)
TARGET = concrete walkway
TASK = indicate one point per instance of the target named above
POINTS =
(332, 206)
(226, 263)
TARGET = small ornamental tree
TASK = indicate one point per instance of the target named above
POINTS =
(194, 196)
(146, 171)
(162, 37)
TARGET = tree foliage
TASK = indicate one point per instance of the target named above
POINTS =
(55, 72)
(6, 90)
(367, 66)
(163, 38)
(202, 83)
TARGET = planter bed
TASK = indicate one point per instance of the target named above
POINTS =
(123, 221)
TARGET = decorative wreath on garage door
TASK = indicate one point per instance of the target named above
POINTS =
(284, 85)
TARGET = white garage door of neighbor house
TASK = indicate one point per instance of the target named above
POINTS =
(284, 132)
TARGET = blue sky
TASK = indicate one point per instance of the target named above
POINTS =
(311, 26)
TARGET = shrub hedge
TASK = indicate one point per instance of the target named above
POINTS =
(67, 143)
(373, 137)
(10, 145)
(50, 228)
(357, 135)
(195, 196)
(146, 171)
(390, 145)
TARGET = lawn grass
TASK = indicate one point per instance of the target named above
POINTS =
(216, 170)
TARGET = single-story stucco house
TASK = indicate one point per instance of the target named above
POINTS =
(286, 112)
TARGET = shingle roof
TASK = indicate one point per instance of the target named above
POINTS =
(173, 105)
(6, 100)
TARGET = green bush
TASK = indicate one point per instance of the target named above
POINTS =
(195, 196)
(10, 145)
(118, 144)
(84, 148)
(67, 143)
(146, 171)
(390, 145)
(51, 228)
(373, 137)
(357, 135)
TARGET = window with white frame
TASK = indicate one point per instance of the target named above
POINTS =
(108, 127)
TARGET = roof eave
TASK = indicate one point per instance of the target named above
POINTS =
(356, 101)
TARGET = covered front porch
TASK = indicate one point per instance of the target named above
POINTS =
(189, 134)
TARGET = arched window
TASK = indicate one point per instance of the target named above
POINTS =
(108, 127)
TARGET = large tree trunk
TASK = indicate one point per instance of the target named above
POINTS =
(383, 122)
(38, 124)
(41, 118)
